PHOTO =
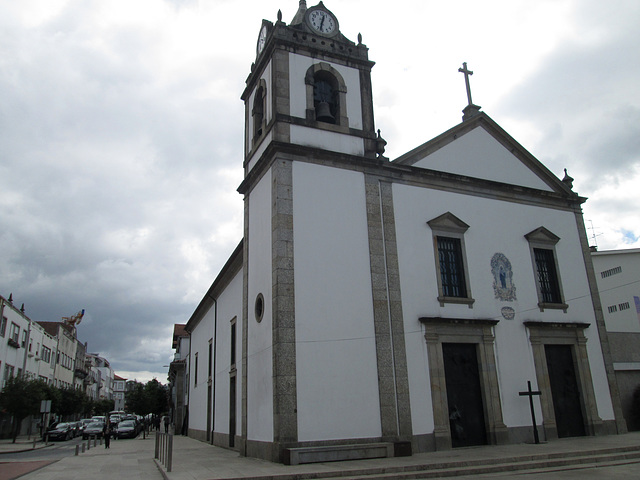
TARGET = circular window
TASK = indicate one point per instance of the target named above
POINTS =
(259, 309)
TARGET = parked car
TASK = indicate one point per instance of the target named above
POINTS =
(77, 428)
(86, 421)
(127, 429)
(93, 429)
(61, 431)
(99, 418)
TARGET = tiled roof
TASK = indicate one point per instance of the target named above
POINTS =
(178, 331)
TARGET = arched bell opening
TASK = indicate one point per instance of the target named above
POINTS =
(325, 97)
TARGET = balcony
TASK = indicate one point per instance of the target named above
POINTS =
(12, 343)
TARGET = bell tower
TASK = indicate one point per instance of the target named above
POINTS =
(310, 86)
(308, 109)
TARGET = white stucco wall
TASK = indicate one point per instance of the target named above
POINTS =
(229, 308)
(198, 391)
(260, 363)
(495, 227)
(335, 339)
(10, 356)
(478, 154)
(336, 142)
(619, 288)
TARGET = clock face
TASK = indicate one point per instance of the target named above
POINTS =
(322, 21)
(262, 39)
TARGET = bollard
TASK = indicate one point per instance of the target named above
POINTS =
(77, 450)
(83, 447)
(170, 453)
(89, 444)
(34, 443)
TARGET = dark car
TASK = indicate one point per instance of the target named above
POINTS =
(86, 421)
(61, 431)
(77, 428)
(94, 429)
(127, 429)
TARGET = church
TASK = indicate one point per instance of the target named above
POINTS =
(379, 307)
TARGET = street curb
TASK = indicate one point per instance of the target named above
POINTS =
(30, 449)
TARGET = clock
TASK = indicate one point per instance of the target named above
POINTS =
(322, 21)
(262, 39)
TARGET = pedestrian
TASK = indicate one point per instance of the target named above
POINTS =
(166, 424)
(107, 435)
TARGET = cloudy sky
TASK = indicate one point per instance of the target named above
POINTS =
(121, 131)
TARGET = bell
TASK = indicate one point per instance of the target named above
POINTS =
(323, 113)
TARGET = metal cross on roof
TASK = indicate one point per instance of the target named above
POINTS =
(467, 73)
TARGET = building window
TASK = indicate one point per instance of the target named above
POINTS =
(451, 271)
(3, 326)
(233, 344)
(624, 306)
(46, 354)
(547, 275)
(210, 362)
(15, 332)
(613, 308)
(542, 244)
(24, 338)
(195, 371)
(451, 267)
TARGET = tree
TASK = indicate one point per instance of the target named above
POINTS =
(158, 396)
(149, 398)
(21, 398)
(103, 406)
(136, 400)
(71, 402)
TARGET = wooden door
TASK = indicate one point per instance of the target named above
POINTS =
(464, 394)
(565, 391)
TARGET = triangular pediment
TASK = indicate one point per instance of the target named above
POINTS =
(480, 148)
(448, 222)
(543, 236)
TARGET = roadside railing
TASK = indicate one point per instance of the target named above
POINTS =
(164, 449)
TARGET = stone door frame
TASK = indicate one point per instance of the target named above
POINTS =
(564, 333)
(480, 332)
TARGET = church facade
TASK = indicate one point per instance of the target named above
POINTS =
(399, 304)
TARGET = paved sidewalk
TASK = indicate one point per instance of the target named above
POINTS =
(195, 460)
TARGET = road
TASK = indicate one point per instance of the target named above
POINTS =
(615, 471)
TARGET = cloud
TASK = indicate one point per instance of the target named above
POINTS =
(121, 141)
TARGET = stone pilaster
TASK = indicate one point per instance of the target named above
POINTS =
(393, 378)
(285, 418)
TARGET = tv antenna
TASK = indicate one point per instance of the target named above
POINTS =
(594, 235)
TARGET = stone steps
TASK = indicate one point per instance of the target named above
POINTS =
(426, 469)
(510, 465)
